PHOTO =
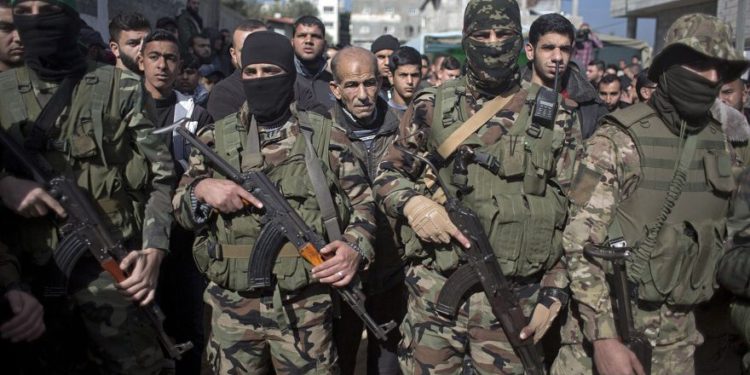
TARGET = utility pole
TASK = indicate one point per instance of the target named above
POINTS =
(574, 8)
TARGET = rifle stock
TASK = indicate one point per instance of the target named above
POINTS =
(285, 223)
(83, 230)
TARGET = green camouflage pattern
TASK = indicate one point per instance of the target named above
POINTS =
(251, 333)
(705, 34)
(434, 344)
(120, 336)
(740, 315)
(491, 66)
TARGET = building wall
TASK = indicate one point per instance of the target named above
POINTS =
(400, 18)
(328, 12)
(727, 11)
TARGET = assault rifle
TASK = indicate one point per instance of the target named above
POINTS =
(481, 268)
(83, 230)
(633, 339)
(280, 224)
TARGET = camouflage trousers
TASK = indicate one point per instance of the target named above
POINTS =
(250, 332)
(672, 333)
(121, 337)
(433, 344)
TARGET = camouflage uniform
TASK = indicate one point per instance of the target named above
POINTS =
(291, 322)
(125, 161)
(434, 343)
(620, 169)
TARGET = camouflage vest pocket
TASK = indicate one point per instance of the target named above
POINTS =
(292, 273)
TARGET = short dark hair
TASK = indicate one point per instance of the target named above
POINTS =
(642, 81)
(613, 66)
(607, 79)
(160, 35)
(309, 21)
(164, 22)
(425, 57)
(5, 4)
(599, 64)
(127, 22)
(190, 61)
(404, 56)
(450, 63)
(250, 24)
(551, 23)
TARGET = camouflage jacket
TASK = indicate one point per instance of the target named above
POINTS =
(387, 270)
(402, 177)
(119, 162)
(608, 174)
(275, 147)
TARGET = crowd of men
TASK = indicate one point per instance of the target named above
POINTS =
(613, 200)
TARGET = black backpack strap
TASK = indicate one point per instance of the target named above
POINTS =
(37, 140)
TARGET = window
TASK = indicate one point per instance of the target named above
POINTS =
(328, 9)
(413, 11)
(364, 29)
(390, 10)
(328, 25)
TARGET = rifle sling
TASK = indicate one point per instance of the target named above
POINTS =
(37, 139)
(473, 124)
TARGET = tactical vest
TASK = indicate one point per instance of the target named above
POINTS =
(93, 143)
(231, 238)
(522, 208)
(681, 268)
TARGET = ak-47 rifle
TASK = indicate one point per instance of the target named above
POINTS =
(481, 268)
(635, 340)
(83, 230)
(280, 224)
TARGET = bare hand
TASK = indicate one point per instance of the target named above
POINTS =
(143, 268)
(613, 358)
(224, 195)
(27, 198)
(27, 323)
(340, 266)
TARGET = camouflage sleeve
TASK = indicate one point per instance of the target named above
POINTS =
(608, 173)
(360, 232)
(398, 171)
(157, 218)
(10, 270)
(188, 212)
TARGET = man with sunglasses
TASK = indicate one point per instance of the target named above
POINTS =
(656, 178)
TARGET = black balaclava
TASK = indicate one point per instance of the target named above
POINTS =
(268, 98)
(492, 67)
(684, 95)
(51, 43)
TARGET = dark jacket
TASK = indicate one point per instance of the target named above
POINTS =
(579, 90)
(312, 90)
(226, 97)
(387, 269)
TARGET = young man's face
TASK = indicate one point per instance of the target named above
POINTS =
(383, 55)
(193, 5)
(445, 75)
(308, 42)
(202, 48)
(405, 81)
(238, 39)
(160, 61)
(593, 74)
(187, 80)
(610, 94)
(127, 47)
(11, 48)
(550, 49)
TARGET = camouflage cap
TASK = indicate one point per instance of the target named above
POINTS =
(492, 14)
(704, 34)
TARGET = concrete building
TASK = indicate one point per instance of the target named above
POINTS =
(407, 19)
(328, 12)
(667, 11)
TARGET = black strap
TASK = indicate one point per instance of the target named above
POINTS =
(37, 139)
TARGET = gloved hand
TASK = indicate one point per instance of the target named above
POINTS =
(429, 220)
(544, 314)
